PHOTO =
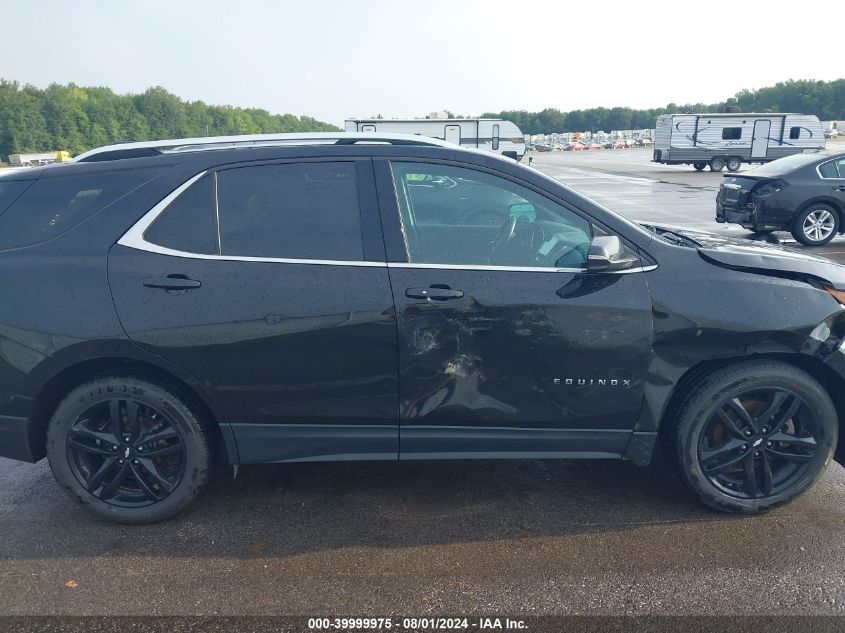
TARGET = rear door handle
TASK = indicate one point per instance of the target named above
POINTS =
(433, 293)
(841, 188)
(172, 282)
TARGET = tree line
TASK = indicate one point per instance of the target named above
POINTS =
(76, 119)
(825, 99)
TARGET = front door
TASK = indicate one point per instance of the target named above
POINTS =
(507, 346)
(284, 314)
(760, 140)
(453, 134)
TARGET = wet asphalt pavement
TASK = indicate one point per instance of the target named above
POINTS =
(414, 538)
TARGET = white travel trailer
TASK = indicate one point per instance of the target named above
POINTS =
(495, 135)
(732, 138)
(30, 160)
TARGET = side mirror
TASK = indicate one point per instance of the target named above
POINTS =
(607, 253)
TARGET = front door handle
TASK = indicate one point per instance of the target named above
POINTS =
(172, 282)
(434, 293)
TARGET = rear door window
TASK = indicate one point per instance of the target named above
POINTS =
(291, 211)
(52, 206)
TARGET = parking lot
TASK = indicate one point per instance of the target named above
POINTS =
(367, 539)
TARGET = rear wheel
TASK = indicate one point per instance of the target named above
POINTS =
(129, 450)
(717, 164)
(754, 436)
(816, 225)
(699, 165)
(734, 163)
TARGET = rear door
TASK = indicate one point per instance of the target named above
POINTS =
(760, 140)
(452, 134)
(507, 346)
(268, 284)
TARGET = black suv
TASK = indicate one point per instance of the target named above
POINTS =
(349, 297)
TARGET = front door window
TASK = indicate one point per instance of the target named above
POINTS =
(457, 216)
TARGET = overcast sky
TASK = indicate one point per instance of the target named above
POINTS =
(332, 59)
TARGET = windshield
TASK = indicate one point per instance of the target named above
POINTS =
(784, 165)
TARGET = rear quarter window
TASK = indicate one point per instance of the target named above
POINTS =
(51, 206)
(828, 170)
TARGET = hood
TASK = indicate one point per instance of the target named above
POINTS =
(763, 257)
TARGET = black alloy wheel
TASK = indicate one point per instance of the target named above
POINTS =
(129, 448)
(753, 435)
(758, 443)
(126, 453)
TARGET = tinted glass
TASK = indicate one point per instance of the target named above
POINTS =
(454, 215)
(188, 223)
(828, 169)
(10, 190)
(295, 211)
(731, 133)
(54, 205)
(785, 165)
(794, 133)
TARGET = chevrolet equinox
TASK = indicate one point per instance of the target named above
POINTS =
(371, 297)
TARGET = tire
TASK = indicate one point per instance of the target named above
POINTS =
(702, 454)
(818, 232)
(734, 163)
(698, 166)
(147, 468)
(717, 164)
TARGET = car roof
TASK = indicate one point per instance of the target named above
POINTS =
(213, 143)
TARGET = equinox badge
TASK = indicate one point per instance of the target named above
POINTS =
(598, 382)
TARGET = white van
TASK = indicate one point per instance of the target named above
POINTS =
(495, 135)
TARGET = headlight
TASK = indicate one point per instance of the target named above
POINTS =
(769, 188)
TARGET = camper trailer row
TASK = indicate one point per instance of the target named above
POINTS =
(720, 140)
(494, 135)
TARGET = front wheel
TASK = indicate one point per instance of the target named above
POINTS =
(755, 435)
(734, 163)
(128, 449)
(816, 225)
(699, 165)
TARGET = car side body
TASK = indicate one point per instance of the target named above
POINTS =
(374, 356)
(772, 197)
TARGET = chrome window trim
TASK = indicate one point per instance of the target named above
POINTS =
(835, 161)
(529, 269)
(134, 238)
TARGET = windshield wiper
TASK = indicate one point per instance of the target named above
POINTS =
(672, 237)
